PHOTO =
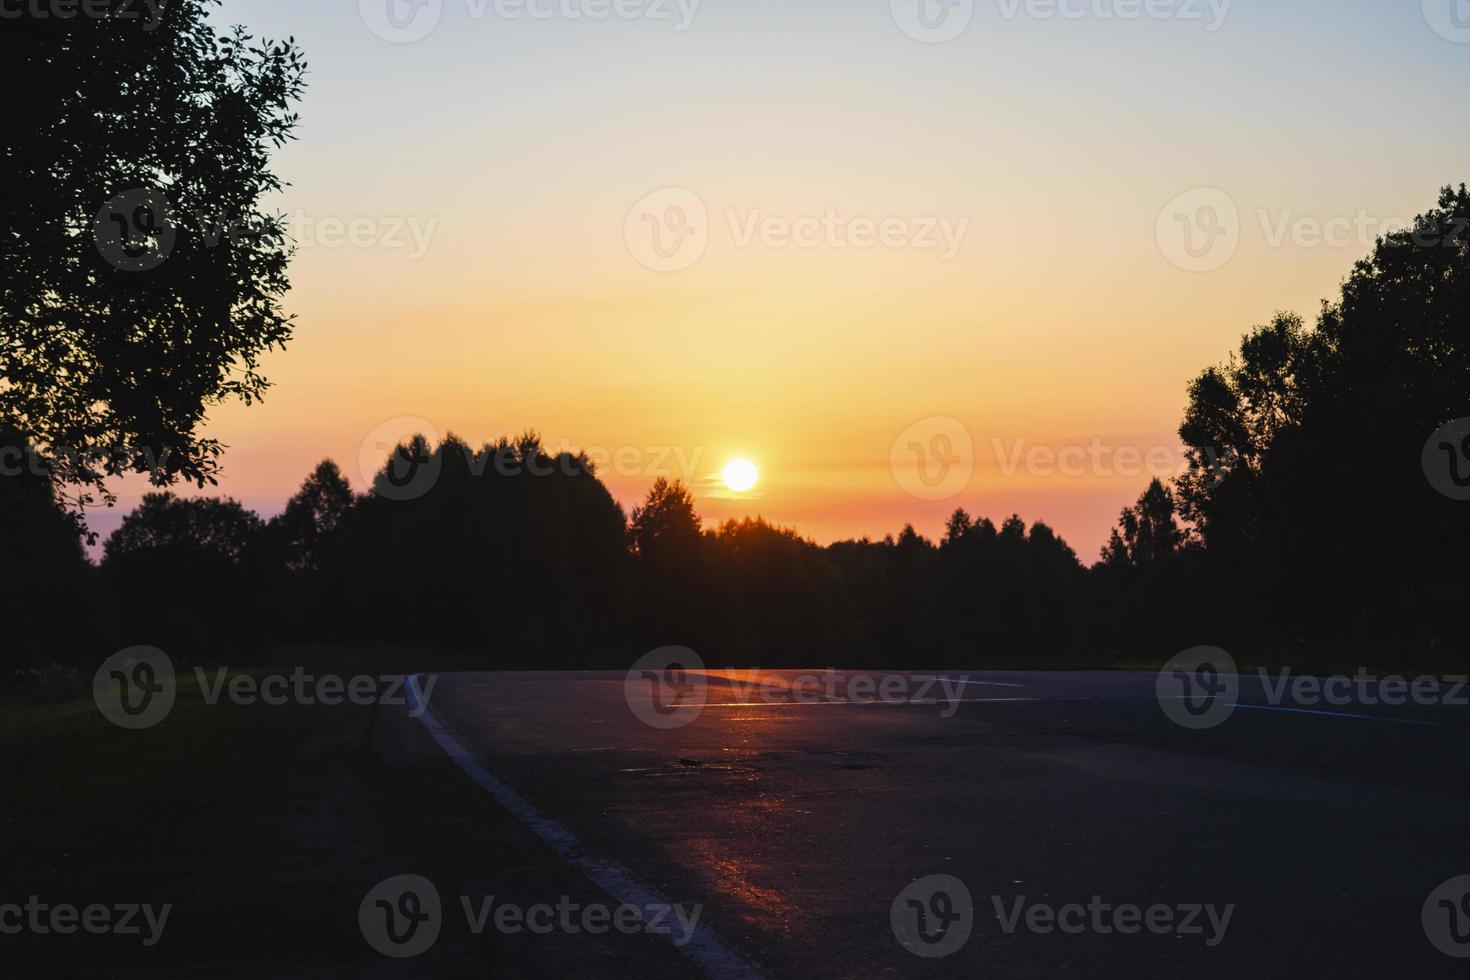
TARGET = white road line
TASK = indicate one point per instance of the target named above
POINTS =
(1339, 714)
(1071, 699)
(957, 680)
(927, 702)
(716, 960)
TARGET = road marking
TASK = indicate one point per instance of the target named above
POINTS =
(716, 960)
(1073, 699)
(983, 683)
(1338, 714)
(930, 702)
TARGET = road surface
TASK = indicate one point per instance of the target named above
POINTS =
(1289, 840)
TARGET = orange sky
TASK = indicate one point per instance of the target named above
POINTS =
(491, 271)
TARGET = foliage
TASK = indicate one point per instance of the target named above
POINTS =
(141, 284)
(1304, 527)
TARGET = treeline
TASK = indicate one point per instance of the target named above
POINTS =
(1327, 497)
(1309, 529)
(535, 564)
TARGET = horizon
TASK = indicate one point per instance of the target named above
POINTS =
(1084, 385)
(500, 290)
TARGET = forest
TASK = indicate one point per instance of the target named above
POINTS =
(1320, 521)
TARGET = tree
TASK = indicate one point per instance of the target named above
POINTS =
(191, 574)
(1149, 531)
(1237, 415)
(51, 598)
(665, 527)
(1306, 480)
(781, 593)
(312, 516)
(141, 284)
(676, 600)
(218, 527)
(958, 528)
(509, 549)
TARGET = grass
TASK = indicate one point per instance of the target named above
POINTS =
(90, 803)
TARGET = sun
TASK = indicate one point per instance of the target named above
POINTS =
(740, 475)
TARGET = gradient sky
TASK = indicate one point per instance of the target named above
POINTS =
(521, 145)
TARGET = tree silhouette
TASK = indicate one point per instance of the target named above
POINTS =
(675, 601)
(51, 599)
(1147, 532)
(665, 528)
(507, 549)
(141, 285)
(1304, 526)
(219, 527)
(782, 597)
(1305, 481)
(192, 573)
(1151, 591)
(311, 517)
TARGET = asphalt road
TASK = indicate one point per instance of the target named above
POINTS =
(794, 808)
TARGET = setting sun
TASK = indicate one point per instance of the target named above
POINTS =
(1064, 332)
(740, 475)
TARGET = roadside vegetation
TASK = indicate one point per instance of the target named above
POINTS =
(1304, 532)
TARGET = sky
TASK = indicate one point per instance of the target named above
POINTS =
(902, 259)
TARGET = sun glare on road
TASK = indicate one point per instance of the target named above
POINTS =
(740, 475)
